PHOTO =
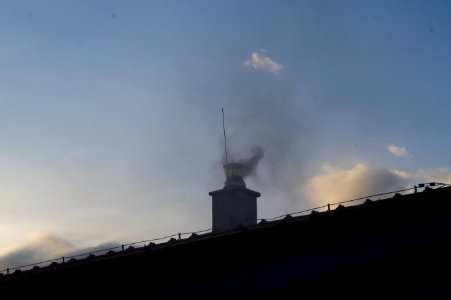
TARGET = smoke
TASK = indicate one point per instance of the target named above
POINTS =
(251, 163)
(268, 127)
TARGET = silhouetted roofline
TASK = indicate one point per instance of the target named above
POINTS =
(263, 224)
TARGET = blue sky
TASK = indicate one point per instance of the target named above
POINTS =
(110, 124)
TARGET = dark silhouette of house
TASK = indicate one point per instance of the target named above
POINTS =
(397, 248)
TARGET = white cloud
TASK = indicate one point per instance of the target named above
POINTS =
(398, 151)
(337, 184)
(259, 61)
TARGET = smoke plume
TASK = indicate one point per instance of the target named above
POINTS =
(267, 125)
(251, 163)
(266, 116)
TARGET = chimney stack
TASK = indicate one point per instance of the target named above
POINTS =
(234, 205)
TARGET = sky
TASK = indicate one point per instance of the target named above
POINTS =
(110, 111)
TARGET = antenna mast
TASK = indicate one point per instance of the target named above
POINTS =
(225, 141)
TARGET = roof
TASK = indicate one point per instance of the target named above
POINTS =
(246, 260)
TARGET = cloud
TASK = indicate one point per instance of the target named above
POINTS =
(442, 175)
(336, 184)
(261, 62)
(38, 248)
(45, 247)
(398, 151)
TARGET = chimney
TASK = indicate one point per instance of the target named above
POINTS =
(234, 205)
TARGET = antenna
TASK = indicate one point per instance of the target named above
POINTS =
(225, 142)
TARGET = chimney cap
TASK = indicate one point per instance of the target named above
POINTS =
(234, 173)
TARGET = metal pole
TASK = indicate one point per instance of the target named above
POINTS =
(225, 141)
